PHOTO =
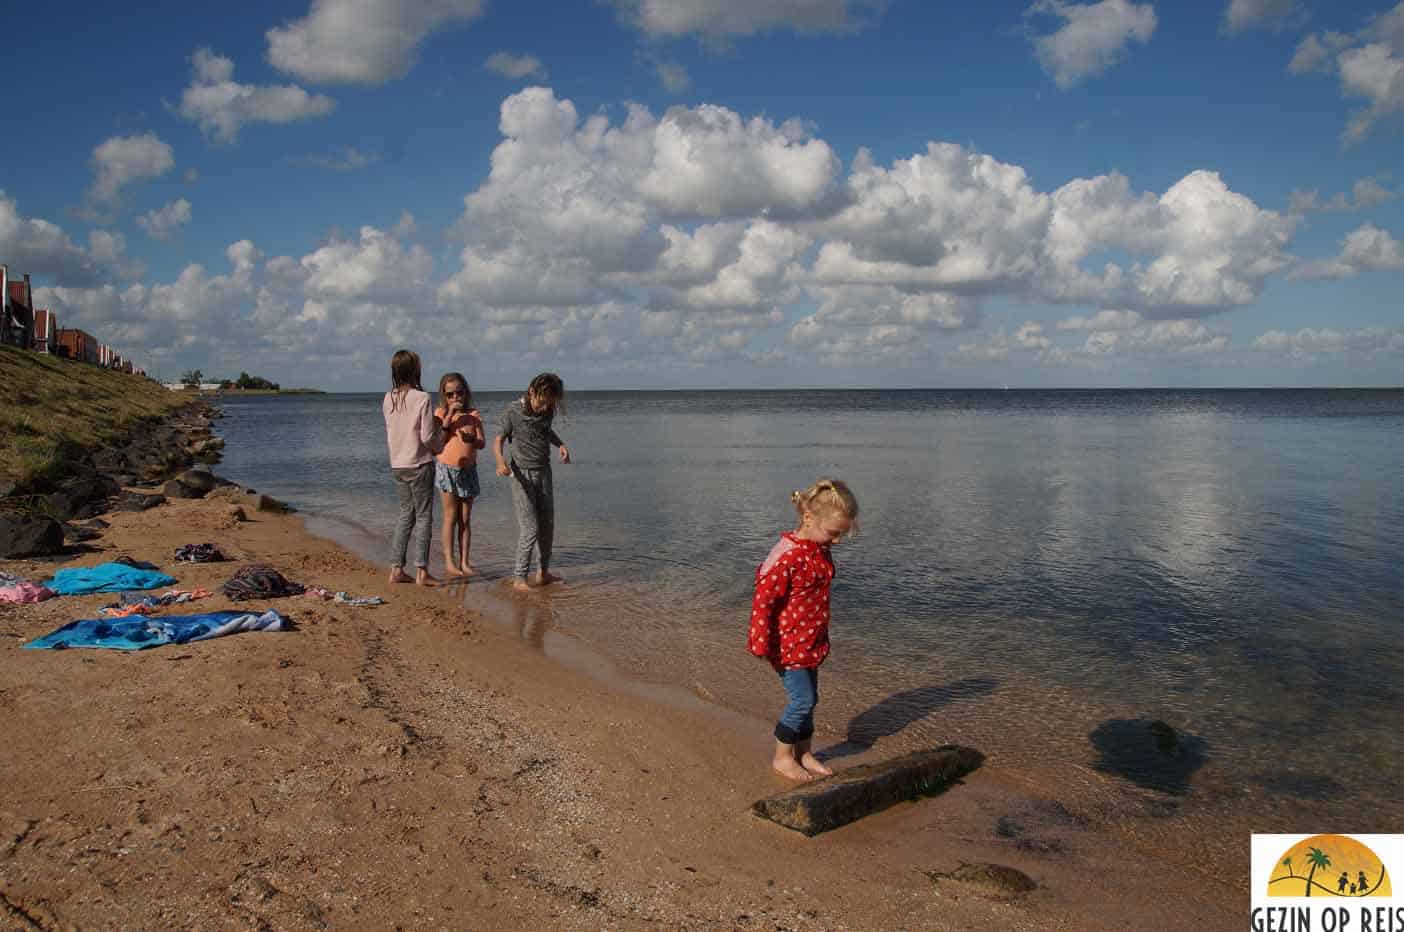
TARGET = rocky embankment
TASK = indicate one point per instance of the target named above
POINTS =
(157, 462)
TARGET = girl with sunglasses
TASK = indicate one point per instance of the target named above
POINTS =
(456, 472)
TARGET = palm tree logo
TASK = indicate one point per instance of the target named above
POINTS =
(1349, 855)
(1316, 858)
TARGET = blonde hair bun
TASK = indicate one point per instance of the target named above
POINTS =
(830, 496)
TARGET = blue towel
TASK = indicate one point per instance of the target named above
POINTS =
(136, 632)
(106, 577)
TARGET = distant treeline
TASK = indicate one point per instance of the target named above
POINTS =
(244, 381)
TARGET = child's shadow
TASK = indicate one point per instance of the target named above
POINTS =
(899, 710)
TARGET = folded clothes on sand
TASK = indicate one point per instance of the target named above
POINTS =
(26, 591)
(199, 553)
(106, 577)
(345, 598)
(139, 632)
(259, 581)
(7, 580)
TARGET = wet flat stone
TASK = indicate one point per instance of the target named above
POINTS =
(849, 795)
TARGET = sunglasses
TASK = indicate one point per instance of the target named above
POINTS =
(457, 394)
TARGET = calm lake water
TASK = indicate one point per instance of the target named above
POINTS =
(1034, 569)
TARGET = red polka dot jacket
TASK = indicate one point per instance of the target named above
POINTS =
(790, 610)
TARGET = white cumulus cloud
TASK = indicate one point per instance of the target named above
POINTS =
(719, 19)
(1309, 342)
(161, 222)
(1093, 37)
(515, 66)
(220, 106)
(122, 160)
(1370, 64)
(1367, 248)
(46, 252)
(362, 41)
(1246, 14)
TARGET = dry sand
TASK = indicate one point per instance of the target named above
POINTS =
(412, 766)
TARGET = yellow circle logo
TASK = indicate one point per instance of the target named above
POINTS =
(1328, 865)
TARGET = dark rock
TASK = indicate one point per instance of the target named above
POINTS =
(202, 480)
(82, 497)
(177, 489)
(138, 501)
(269, 503)
(851, 794)
(7, 489)
(1149, 753)
(989, 880)
(29, 535)
(124, 479)
(197, 480)
(77, 533)
(97, 524)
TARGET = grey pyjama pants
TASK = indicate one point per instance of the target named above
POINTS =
(415, 488)
(535, 504)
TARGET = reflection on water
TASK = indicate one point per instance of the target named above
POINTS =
(1030, 565)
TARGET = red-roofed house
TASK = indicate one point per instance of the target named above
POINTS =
(45, 331)
(17, 313)
(78, 344)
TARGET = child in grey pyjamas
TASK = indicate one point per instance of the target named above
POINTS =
(526, 424)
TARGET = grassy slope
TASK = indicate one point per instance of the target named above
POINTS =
(45, 401)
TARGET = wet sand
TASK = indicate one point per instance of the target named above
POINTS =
(417, 765)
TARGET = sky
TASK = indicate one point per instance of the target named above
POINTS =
(664, 194)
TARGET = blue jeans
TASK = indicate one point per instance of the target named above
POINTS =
(797, 721)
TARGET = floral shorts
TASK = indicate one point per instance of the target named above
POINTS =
(463, 483)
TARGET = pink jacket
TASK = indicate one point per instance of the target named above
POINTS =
(411, 432)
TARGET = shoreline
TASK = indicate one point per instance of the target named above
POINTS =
(453, 775)
(420, 764)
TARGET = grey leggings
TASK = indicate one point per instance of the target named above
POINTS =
(415, 487)
(535, 503)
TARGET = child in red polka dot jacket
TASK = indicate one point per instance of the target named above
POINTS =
(790, 617)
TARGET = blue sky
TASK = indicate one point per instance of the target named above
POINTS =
(719, 193)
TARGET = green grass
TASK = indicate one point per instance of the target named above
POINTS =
(52, 410)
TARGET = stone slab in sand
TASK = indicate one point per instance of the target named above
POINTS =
(851, 794)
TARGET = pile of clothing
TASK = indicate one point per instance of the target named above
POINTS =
(259, 581)
(19, 589)
(136, 603)
(345, 598)
(199, 553)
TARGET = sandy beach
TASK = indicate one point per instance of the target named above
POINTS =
(410, 765)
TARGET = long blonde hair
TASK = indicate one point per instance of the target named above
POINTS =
(827, 496)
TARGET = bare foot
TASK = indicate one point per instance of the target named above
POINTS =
(468, 569)
(790, 768)
(545, 579)
(398, 575)
(424, 579)
(815, 766)
(521, 585)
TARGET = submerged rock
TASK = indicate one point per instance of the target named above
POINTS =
(1149, 753)
(849, 795)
